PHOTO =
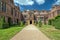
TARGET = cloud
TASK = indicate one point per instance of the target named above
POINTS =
(40, 1)
(16, 4)
(24, 2)
(57, 2)
(29, 2)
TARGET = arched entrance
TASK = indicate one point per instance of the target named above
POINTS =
(30, 21)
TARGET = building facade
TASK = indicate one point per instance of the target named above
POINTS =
(10, 11)
(33, 16)
(13, 15)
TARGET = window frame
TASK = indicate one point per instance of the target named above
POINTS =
(4, 6)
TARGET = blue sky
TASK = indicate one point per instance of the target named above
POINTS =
(36, 4)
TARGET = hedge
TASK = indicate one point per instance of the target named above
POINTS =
(39, 23)
(55, 22)
(3, 24)
(21, 23)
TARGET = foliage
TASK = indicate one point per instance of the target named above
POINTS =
(57, 17)
(3, 24)
(7, 34)
(51, 32)
(50, 21)
(55, 22)
(1, 21)
(21, 23)
(39, 23)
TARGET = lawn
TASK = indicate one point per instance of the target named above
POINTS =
(51, 32)
(7, 34)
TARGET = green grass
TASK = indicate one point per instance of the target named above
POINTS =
(51, 32)
(7, 34)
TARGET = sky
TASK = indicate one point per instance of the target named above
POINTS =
(36, 4)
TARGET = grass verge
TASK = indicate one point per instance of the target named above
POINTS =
(51, 32)
(7, 34)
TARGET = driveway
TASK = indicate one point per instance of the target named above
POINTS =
(30, 32)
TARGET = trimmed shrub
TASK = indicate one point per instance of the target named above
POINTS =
(21, 23)
(1, 21)
(57, 25)
(57, 17)
(51, 21)
(55, 22)
(39, 23)
(3, 24)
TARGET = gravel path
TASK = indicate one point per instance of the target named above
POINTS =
(30, 32)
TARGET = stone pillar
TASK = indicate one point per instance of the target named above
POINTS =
(28, 22)
(33, 22)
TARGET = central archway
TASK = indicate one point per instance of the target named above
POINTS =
(30, 21)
